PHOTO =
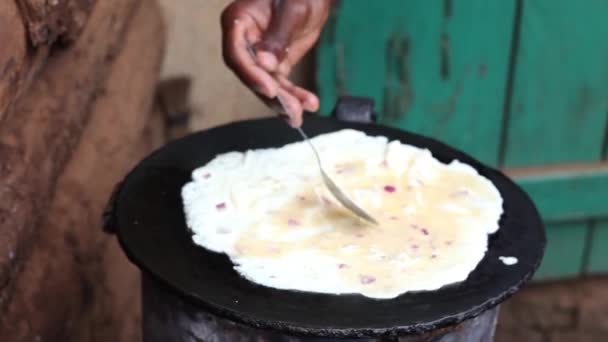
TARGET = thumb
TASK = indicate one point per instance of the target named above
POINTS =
(288, 16)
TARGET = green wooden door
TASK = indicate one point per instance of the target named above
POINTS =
(517, 84)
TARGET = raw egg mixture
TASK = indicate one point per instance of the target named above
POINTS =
(269, 211)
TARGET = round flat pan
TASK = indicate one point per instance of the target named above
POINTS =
(152, 230)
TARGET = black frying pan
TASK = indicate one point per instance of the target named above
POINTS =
(149, 221)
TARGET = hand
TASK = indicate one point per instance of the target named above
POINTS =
(280, 32)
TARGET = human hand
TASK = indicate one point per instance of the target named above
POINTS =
(280, 32)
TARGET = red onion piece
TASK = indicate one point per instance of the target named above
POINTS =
(325, 200)
(390, 188)
(459, 193)
(367, 279)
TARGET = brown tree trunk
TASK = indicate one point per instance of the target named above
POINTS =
(73, 281)
(49, 21)
(18, 61)
(37, 140)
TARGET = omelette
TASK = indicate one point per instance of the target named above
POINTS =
(270, 213)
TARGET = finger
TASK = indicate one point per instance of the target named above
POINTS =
(308, 100)
(284, 108)
(288, 17)
(267, 60)
(297, 50)
(292, 106)
(235, 29)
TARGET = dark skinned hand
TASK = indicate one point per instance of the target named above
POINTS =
(280, 33)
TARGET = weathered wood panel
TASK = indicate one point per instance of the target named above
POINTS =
(37, 140)
(437, 68)
(76, 284)
(445, 69)
(559, 107)
(598, 253)
(565, 250)
(569, 195)
(559, 114)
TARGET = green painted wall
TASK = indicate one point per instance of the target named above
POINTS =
(425, 65)
(560, 103)
(513, 83)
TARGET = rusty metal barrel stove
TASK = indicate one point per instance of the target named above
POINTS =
(191, 294)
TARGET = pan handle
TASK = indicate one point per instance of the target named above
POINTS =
(109, 221)
(355, 109)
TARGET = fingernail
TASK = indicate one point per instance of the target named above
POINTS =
(311, 106)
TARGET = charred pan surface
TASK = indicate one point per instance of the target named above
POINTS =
(149, 215)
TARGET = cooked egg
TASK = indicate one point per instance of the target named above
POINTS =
(269, 211)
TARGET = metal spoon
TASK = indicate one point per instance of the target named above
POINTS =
(333, 188)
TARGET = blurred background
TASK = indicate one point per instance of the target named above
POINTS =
(87, 88)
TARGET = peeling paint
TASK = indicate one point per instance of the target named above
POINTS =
(444, 53)
(584, 103)
(447, 108)
(482, 70)
(447, 8)
(330, 34)
(398, 94)
(340, 70)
